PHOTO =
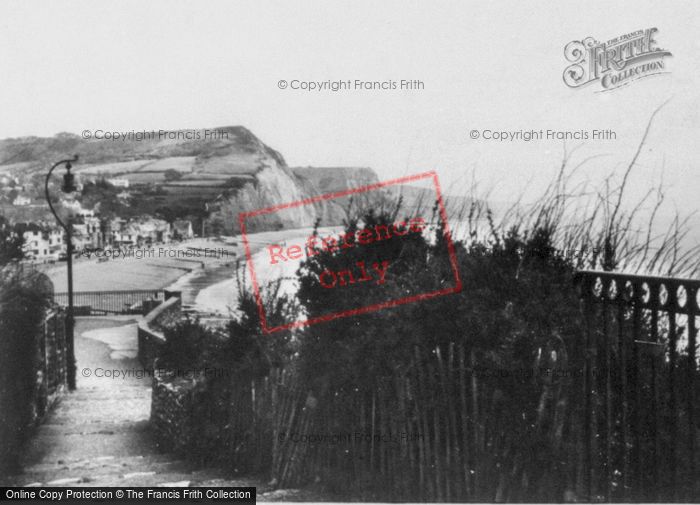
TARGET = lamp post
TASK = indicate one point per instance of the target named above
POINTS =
(68, 187)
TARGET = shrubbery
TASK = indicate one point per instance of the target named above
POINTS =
(518, 312)
(491, 378)
(225, 363)
(239, 348)
(189, 346)
(24, 299)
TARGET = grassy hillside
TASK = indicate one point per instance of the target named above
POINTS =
(174, 178)
(236, 144)
(168, 177)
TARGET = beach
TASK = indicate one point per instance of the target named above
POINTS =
(222, 297)
(148, 267)
(203, 270)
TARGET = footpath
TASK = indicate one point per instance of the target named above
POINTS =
(99, 435)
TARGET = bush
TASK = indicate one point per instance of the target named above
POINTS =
(24, 299)
(518, 311)
(247, 348)
(189, 346)
(222, 400)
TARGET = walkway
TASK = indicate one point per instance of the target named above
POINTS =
(98, 435)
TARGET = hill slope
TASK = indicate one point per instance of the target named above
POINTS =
(226, 172)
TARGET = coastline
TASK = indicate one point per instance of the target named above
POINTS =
(221, 298)
(207, 283)
(169, 263)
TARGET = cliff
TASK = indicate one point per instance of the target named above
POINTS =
(226, 170)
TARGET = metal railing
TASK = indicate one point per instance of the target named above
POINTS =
(110, 302)
(640, 422)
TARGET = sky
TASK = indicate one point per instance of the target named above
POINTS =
(131, 65)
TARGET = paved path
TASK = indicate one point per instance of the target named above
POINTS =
(99, 434)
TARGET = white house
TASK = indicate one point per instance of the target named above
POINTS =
(21, 200)
(43, 245)
(76, 210)
(119, 182)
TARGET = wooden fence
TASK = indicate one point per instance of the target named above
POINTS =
(438, 432)
(607, 417)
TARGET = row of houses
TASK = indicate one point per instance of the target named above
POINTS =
(14, 193)
(48, 243)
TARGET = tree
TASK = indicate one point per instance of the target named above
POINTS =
(172, 175)
(11, 242)
(216, 226)
(103, 194)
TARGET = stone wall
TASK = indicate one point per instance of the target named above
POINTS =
(52, 372)
(172, 413)
(172, 398)
(33, 358)
(150, 338)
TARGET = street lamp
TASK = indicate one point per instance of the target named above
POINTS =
(67, 187)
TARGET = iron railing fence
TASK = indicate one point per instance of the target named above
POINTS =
(641, 394)
(110, 302)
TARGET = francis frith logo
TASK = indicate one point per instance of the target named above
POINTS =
(615, 63)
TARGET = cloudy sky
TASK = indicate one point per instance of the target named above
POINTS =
(128, 65)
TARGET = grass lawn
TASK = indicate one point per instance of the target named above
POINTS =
(154, 272)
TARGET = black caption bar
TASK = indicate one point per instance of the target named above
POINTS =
(117, 494)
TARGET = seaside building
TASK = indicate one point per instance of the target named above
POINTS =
(21, 200)
(182, 229)
(143, 231)
(76, 210)
(119, 182)
(87, 233)
(43, 244)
